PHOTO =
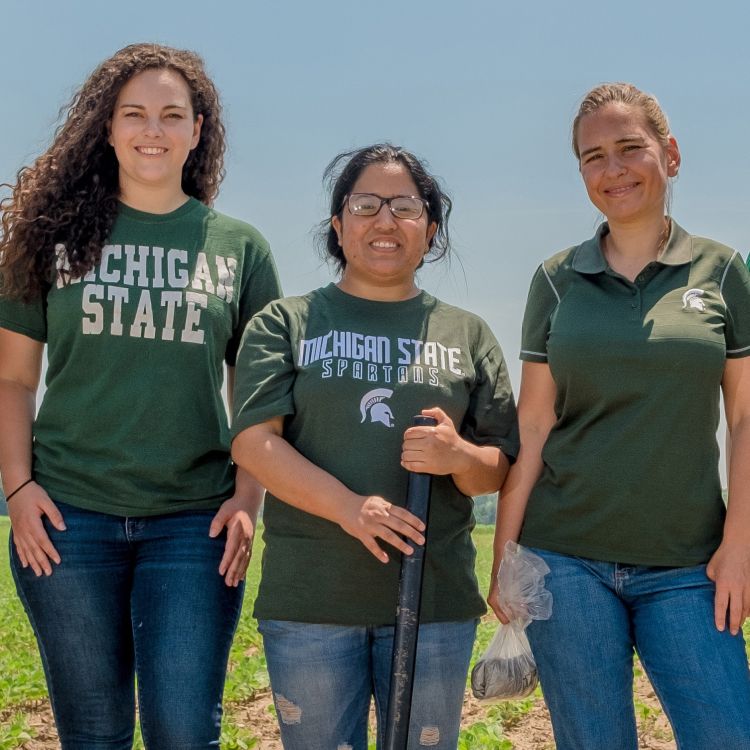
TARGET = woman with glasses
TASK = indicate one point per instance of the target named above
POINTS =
(628, 341)
(327, 385)
(130, 532)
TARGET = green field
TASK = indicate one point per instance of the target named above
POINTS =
(22, 681)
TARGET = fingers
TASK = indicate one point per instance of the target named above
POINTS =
(396, 541)
(504, 619)
(417, 451)
(54, 515)
(376, 518)
(735, 613)
(234, 564)
(729, 605)
(375, 549)
(33, 545)
(218, 522)
(729, 569)
(436, 413)
(493, 601)
(385, 533)
(238, 568)
(721, 601)
(237, 553)
(405, 523)
(37, 551)
(432, 450)
(231, 548)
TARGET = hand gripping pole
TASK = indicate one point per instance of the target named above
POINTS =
(407, 613)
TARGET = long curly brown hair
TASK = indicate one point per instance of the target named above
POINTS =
(63, 206)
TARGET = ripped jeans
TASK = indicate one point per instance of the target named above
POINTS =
(323, 677)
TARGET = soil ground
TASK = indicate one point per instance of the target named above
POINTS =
(532, 731)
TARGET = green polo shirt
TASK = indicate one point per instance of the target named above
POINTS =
(631, 465)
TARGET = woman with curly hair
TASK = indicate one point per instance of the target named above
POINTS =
(130, 532)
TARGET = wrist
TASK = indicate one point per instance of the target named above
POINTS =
(463, 458)
(736, 540)
(18, 489)
(12, 477)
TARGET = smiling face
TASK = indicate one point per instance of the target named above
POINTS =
(152, 130)
(382, 252)
(624, 166)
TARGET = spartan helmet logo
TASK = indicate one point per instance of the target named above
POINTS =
(691, 300)
(374, 403)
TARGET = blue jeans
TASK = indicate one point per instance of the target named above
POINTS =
(133, 596)
(603, 611)
(323, 677)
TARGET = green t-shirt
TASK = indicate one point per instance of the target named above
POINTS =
(631, 465)
(132, 422)
(348, 374)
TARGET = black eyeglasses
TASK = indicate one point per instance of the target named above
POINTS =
(401, 206)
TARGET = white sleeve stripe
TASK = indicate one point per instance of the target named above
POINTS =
(737, 351)
(549, 281)
(543, 354)
(723, 278)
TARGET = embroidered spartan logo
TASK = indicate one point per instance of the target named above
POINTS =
(373, 403)
(691, 300)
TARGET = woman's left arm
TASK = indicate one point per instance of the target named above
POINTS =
(476, 469)
(239, 514)
(729, 567)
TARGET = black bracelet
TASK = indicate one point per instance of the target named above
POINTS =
(19, 488)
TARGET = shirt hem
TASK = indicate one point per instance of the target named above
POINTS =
(528, 356)
(625, 558)
(260, 613)
(246, 420)
(23, 330)
(125, 511)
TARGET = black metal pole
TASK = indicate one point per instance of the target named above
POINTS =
(407, 614)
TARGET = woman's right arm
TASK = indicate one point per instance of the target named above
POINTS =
(536, 415)
(263, 452)
(20, 370)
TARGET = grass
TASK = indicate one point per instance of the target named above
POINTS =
(22, 680)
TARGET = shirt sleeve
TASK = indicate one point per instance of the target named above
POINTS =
(265, 374)
(540, 304)
(491, 416)
(735, 289)
(29, 319)
(260, 285)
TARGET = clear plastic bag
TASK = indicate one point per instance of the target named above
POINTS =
(507, 668)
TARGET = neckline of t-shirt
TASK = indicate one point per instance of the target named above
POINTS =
(190, 205)
(337, 295)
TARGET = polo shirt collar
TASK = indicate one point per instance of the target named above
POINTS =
(590, 259)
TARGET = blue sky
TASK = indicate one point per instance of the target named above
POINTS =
(484, 90)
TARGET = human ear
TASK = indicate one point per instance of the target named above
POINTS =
(431, 229)
(673, 157)
(338, 228)
(196, 131)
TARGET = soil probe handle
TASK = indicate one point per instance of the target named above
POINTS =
(407, 613)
